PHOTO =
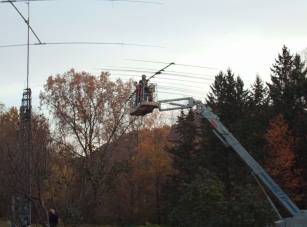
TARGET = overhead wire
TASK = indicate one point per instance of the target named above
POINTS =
(171, 93)
(175, 79)
(167, 71)
(171, 79)
(134, 1)
(195, 66)
(176, 89)
(85, 43)
(164, 73)
(190, 86)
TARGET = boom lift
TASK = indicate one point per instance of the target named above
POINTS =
(299, 217)
(145, 102)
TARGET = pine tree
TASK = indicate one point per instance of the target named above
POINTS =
(258, 97)
(228, 99)
(185, 156)
(185, 153)
(287, 89)
(288, 97)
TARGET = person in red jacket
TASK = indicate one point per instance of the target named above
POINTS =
(138, 92)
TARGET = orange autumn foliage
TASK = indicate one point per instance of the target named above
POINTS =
(281, 161)
(138, 192)
(151, 148)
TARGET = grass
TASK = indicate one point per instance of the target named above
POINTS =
(4, 224)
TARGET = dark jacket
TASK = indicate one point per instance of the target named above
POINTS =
(53, 220)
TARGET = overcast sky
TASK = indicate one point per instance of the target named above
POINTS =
(243, 35)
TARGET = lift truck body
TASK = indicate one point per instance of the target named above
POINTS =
(299, 217)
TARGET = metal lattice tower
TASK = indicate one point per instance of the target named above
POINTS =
(25, 159)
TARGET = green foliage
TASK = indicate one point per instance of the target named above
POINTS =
(289, 97)
(185, 159)
(247, 207)
(199, 202)
(186, 152)
(71, 216)
(202, 204)
(229, 100)
(150, 225)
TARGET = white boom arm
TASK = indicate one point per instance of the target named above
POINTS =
(299, 216)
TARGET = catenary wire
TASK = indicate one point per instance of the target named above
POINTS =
(112, 78)
(78, 43)
(135, 1)
(195, 66)
(163, 73)
(167, 71)
(132, 76)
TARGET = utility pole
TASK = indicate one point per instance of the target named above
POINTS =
(25, 141)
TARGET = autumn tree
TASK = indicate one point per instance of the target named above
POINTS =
(281, 161)
(89, 118)
(8, 138)
(12, 160)
(137, 195)
(156, 162)
(287, 91)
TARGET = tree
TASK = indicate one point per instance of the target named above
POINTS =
(8, 138)
(13, 158)
(186, 158)
(199, 203)
(259, 99)
(229, 100)
(287, 90)
(90, 118)
(185, 153)
(288, 96)
(247, 207)
(156, 162)
(281, 161)
(137, 195)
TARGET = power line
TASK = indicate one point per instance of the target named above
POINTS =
(83, 0)
(82, 43)
(197, 82)
(177, 94)
(195, 66)
(131, 76)
(172, 79)
(164, 73)
(167, 71)
(177, 89)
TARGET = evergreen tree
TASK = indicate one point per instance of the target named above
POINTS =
(256, 122)
(288, 96)
(287, 89)
(228, 99)
(258, 97)
(199, 204)
(185, 155)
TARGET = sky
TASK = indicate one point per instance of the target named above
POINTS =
(243, 35)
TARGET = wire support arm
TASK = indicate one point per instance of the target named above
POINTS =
(25, 20)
